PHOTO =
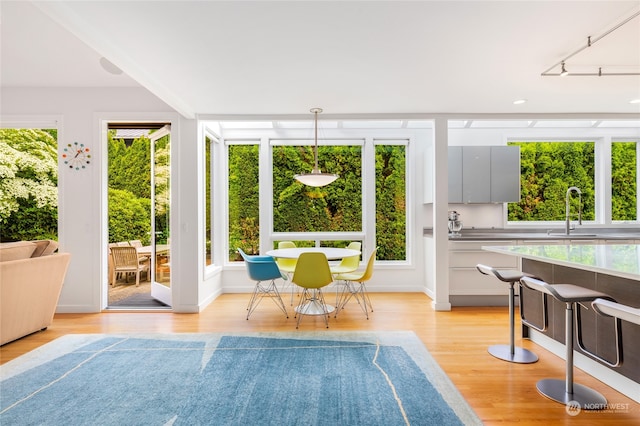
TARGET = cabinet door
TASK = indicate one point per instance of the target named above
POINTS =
(455, 174)
(505, 174)
(476, 174)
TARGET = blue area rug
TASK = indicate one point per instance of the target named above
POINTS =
(322, 378)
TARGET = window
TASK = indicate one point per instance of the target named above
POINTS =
(547, 170)
(266, 204)
(333, 208)
(391, 202)
(208, 200)
(28, 184)
(624, 181)
(244, 207)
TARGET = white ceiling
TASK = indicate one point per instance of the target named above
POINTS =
(348, 57)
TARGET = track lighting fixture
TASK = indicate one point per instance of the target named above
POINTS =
(563, 71)
(590, 42)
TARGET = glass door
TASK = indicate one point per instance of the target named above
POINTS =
(160, 214)
(139, 201)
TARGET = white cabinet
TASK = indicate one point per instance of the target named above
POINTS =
(484, 174)
(464, 277)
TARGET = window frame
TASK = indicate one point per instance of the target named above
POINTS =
(602, 180)
(368, 137)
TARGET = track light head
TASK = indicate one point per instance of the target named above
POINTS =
(563, 71)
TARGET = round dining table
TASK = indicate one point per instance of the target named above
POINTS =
(314, 307)
(332, 253)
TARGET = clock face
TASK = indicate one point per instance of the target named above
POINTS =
(76, 156)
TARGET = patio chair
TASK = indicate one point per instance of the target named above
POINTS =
(125, 260)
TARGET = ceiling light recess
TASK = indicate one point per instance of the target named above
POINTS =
(316, 177)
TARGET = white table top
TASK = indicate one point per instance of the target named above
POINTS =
(332, 253)
(621, 260)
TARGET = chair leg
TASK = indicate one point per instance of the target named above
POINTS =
(260, 291)
(348, 291)
(252, 305)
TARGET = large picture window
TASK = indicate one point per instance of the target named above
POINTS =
(333, 208)
(368, 203)
(548, 169)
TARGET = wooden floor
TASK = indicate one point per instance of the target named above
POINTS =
(501, 393)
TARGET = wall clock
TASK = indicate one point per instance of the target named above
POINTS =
(76, 156)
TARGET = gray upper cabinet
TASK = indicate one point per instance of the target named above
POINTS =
(484, 174)
(455, 174)
(476, 174)
(505, 174)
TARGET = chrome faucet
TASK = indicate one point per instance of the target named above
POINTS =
(568, 208)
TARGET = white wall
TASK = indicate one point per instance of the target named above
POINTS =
(82, 203)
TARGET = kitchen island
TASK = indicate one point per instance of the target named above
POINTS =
(613, 269)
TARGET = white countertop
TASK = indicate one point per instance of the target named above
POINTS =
(621, 260)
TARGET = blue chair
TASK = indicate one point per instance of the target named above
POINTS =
(263, 269)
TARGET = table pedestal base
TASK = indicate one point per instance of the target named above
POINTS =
(314, 307)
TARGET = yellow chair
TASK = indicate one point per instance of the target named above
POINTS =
(348, 264)
(351, 287)
(288, 266)
(312, 274)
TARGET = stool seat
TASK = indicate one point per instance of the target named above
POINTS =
(566, 391)
(509, 275)
(573, 293)
(617, 310)
(510, 352)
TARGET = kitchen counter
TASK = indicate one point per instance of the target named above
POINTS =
(613, 269)
(620, 260)
(539, 234)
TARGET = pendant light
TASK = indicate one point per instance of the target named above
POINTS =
(316, 177)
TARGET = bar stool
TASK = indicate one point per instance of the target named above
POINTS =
(566, 391)
(618, 311)
(509, 352)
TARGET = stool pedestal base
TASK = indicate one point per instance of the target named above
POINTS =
(519, 355)
(556, 390)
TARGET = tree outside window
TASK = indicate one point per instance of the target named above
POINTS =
(624, 175)
(548, 169)
(28, 184)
